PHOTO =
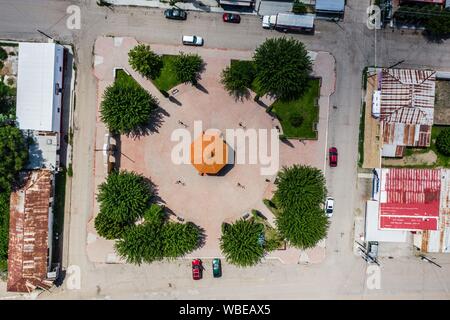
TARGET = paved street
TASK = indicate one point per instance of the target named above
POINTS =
(342, 275)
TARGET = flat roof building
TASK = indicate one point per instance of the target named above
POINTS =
(39, 86)
(330, 8)
(43, 150)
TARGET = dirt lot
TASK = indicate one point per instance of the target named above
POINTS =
(442, 104)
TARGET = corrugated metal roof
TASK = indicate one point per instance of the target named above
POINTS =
(28, 233)
(330, 5)
(439, 240)
(407, 106)
(409, 198)
(39, 77)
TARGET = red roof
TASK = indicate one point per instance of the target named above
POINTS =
(410, 199)
(28, 234)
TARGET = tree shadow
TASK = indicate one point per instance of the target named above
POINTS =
(241, 95)
(175, 100)
(287, 142)
(199, 5)
(155, 122)
(434, 38)
(155, 198)
(202, 237)
(200, 87)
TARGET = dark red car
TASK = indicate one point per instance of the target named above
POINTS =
(231, 17)
(197, 269)
(333, 156)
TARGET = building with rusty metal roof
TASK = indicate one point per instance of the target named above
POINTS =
(31, 218)
(405, 108)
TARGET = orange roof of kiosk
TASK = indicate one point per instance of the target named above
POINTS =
(209, 153)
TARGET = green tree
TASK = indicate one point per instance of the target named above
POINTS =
(299, 197)
(110, 228)
(187, 67)
(4, 229)
(141, 243)
(302, 227)
(152, 241)
(438, 25)
(238, 77)
(145, 61)
(3, 54)
(282, 67)
(240, 242)
(443, 142)
(299, 7)
(123, 198)
(13, 155)
(179, 239)
(7, 103)
(154, 214)
(126, 107)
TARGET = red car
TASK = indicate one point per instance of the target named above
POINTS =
(333, 156)
(197, 269)
(231, 17)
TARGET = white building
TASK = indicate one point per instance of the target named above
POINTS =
(39, 86)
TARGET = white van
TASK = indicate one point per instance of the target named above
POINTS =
(192, 41)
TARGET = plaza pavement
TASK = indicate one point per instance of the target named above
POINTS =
(205, 200)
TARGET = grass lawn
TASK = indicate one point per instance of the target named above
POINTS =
(4, 230)
(121, 75)
(305, 107)
(167, 79)
(58, 209)
(361, 135)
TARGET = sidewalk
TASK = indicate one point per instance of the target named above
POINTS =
(202, 6)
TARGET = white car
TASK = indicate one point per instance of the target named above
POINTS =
(192, 40)
(329, 207)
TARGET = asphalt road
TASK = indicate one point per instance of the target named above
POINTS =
(342, 275)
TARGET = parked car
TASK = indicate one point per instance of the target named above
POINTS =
(231, 17)
(175, 14)
(192, 41)
(197, 269)
(217, 268)
(333, 156)
(329, 207)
